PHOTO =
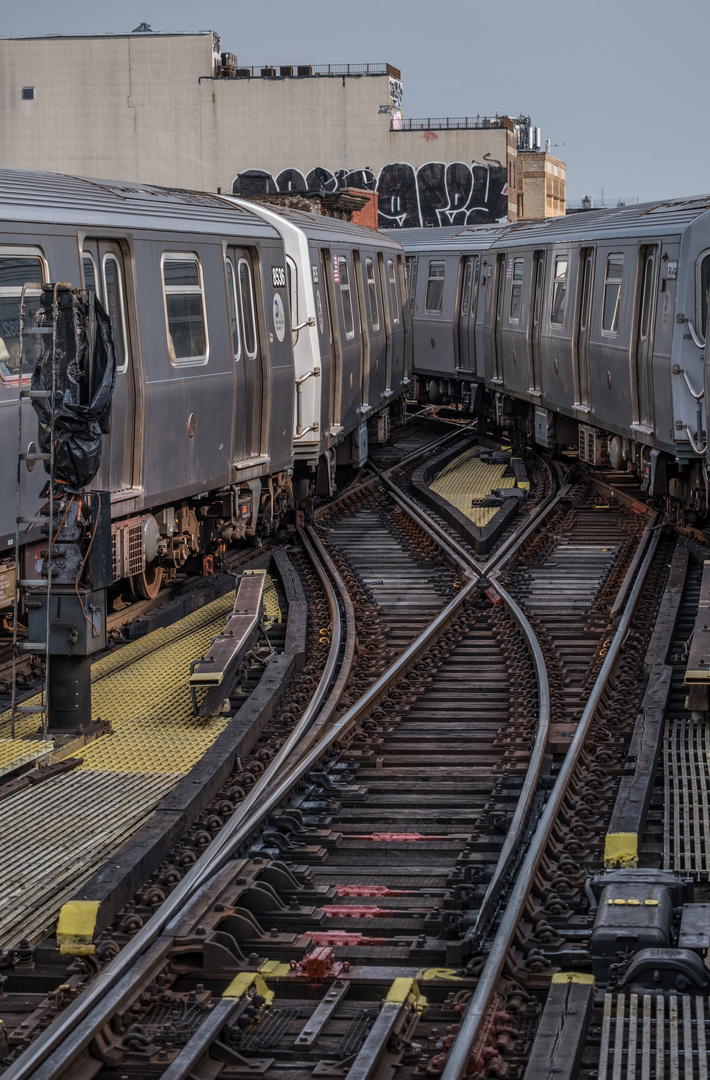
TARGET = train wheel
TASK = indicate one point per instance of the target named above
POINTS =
(146, 585)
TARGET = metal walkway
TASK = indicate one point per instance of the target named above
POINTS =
(467, 480)
(56, 835)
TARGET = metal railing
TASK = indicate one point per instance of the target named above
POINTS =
(275, 71)
(454, 123)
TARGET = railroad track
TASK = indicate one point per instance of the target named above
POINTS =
(349, 881)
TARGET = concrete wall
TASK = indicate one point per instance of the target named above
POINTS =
(113, 107)
(145, 107)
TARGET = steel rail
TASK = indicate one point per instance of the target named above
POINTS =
(518, 823)
(474, 1016)
(53, 1040)
(49, 1055)
(71, 1033)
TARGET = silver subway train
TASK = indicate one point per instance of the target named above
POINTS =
(586, 331)
(255, 349)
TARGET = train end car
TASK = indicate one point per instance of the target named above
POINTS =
(590, 335)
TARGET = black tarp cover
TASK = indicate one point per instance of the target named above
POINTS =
(85, 375)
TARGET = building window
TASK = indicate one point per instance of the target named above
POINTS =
(28, 93)
(394, 294)
(435, 286)
(559, 291)
(16, 271)
(516, 292)
(372, 294)
(345, 298)
(612, 294)
(184, 308)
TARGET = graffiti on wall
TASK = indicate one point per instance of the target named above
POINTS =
(433, 195)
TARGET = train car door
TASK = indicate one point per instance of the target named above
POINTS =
(332, 319)
(497, 319)
(388, 321)
(584, 318)
(466, 315)
(252, 377)
(325, 335)
(364, 330)
(648, 276)
(103, 269)
(536, 309)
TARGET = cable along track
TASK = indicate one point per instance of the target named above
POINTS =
(387, 889)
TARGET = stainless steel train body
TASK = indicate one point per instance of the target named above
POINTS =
(586, 330)
(246, 363)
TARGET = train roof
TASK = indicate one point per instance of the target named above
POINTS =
(447, 237)
(322, 227)
(57, 198)
(656, 218)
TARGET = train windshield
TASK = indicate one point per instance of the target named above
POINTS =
(15, 272)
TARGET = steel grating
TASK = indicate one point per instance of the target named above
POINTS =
(651, 1037)
(55, 835)
(467, 480)
(686, 809)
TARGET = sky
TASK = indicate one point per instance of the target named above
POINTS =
(615, 85)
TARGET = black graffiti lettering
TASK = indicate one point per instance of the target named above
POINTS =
(436, 194)
(320, 178)
(254, 182)
(459, 186)
(291, 180)
(397, 197)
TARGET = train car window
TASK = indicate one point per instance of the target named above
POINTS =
(232, 303)
(612, 294)
(345, 297)
(646, 297)
(184, 308)
(559, 291)
(372, 294)
(411, 265)
(88, 269)
(466, 290)
(704, 287)
(292, 282)
(394, 296)
(113, 294)
(246, 300)
(586, 293)
(435, 286)
(516, 292)
(16, 270)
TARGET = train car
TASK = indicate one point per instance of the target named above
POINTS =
(589, 332)
(212, 406)
(352, 340)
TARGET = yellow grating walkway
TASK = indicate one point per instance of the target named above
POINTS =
(467, 478)
(55, 836)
